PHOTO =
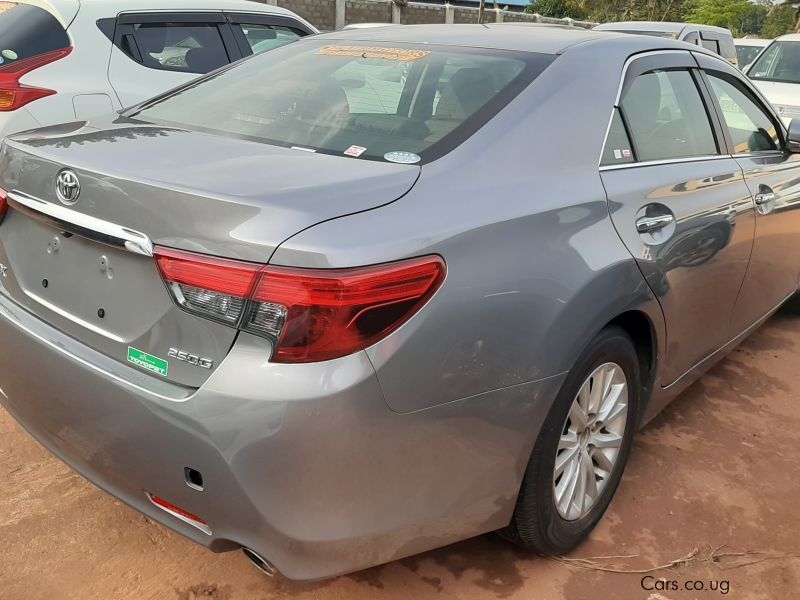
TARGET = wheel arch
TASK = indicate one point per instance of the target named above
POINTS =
(640, 328)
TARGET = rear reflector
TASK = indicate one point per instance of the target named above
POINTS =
(13, 94)
(177, 511)
(311, 314)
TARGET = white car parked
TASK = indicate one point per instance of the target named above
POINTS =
(776, 73)
(66, 60)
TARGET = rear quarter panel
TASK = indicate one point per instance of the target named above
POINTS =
(519, 213)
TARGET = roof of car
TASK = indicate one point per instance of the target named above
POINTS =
(791, 37)
(544, 39)
(116, 6)
(666, 27)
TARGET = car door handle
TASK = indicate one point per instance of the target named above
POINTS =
(764, 197)
(652, 224)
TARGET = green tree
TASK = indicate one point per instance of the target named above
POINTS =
(780, 20)
(558, 9)
(735, 15)
(752, 21)
(628, 10)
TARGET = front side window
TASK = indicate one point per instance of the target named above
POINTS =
(356, 100)
(186, 47)
(262, 37)
(27, 31)
(667, 117)
(751, 129)
(746, 54)
(779, 62)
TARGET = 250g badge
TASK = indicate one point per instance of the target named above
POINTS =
(192, 359)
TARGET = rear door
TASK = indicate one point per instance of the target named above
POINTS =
(154, 52)
(772, 174)
(679, 203)
(256, 33)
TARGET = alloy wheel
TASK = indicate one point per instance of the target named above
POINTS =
(590, 441)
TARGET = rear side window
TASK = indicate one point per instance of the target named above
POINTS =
(667, 117)
(751, 129)
(692, 38)
(712, 45)
(262, 37)
(27, 31)
(618, 149)
(184, 47)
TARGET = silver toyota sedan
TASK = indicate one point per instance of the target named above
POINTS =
(385, 289)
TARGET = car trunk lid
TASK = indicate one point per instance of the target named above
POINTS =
(68, 262)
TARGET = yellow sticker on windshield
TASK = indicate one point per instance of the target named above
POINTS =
(401, 54)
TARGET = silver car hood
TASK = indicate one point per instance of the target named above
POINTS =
(185, 189)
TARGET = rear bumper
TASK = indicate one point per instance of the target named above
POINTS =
(305, 464)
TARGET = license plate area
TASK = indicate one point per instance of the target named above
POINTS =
(86, 285)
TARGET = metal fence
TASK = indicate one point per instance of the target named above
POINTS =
(327, 15)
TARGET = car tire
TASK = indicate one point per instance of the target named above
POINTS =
(539, 522)
(792, 305)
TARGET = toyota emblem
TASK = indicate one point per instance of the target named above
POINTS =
(68, 186)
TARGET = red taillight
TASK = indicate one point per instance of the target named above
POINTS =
(331, 313)
(313, 314)
(13, 94)
(3, 204)
(214, 288)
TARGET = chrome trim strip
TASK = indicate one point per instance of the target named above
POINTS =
(80, 224)
(636, 57)
(670, 161)
(60, 311)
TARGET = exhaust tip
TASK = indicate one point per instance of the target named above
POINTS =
(260, 563)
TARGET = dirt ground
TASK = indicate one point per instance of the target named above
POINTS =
(719, 468)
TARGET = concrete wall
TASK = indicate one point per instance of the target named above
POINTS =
(327, 15)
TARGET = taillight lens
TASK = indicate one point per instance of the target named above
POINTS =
(312, 314)
(3, 204)
(324, 314)
(13, 94)
(215, 288)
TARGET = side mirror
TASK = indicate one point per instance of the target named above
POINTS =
(793, 140)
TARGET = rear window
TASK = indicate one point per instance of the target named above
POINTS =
(261, 37)
(779, 62)
(27, 31)
(186, 47)
(398, 102)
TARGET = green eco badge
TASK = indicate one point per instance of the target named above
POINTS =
(148, 361)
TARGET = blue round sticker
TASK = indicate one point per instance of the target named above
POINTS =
(405, 158)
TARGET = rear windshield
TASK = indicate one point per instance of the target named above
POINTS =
(779, 62)
(395, 102)
(27, 31)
